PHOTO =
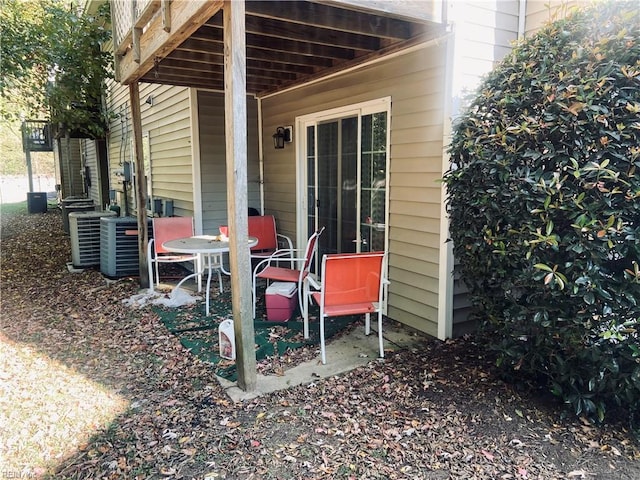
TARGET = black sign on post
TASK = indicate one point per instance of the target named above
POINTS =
(36, 136)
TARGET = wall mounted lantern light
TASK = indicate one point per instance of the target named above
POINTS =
(282, 136)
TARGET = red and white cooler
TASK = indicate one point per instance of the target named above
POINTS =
(282, 299)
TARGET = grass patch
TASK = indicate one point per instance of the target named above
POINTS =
(47, 411)
(13, 208)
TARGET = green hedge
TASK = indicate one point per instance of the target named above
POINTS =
(544, 200)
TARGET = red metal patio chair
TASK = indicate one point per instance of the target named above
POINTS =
(270, 242)
(266, 270)
(352, 283)
(263, 227)
(164, 229)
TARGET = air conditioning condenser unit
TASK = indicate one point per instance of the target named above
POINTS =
(84, 233)
(119, 246)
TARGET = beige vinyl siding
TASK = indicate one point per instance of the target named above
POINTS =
(213, 176)
(484, 35)
(119, 143)
(488, 29)
(415, 83)
(540, 12)
(168, 124)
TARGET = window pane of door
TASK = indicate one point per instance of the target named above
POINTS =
(373, 181)
(311, 179)
(327, 181)
(348, 198)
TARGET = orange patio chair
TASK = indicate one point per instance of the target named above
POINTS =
(263, 227)
(270, 272)
(164, 229)
(270, 242)
(351, 283)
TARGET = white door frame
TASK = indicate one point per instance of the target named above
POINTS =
(301, 123)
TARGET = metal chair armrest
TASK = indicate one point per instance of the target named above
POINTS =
(277, 255)
(285, 240)
(313, 281)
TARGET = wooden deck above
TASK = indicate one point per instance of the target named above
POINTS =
(180, 42)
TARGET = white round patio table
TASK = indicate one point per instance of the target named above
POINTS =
(204, 246)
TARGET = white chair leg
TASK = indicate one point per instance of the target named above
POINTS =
(323, 354)
(150, 268)
(254, 296)
(157, 273)
(380, 341)
(367, 324)
(305, 308)
(300, 295)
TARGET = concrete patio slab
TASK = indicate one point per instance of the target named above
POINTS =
(345, 353)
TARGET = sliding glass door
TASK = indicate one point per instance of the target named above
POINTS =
(346, 178)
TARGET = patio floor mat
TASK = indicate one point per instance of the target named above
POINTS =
(199, 333)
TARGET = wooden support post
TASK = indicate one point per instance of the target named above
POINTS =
(235, 123)
(140, 184)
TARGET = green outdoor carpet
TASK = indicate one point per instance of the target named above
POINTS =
(199, 333)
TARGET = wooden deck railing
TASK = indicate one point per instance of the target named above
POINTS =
(145, 31)
(129, 18)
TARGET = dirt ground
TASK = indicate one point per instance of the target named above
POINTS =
(436, 411)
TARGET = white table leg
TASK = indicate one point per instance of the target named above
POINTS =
(184, 280)
(208, 283)
(198, 274)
